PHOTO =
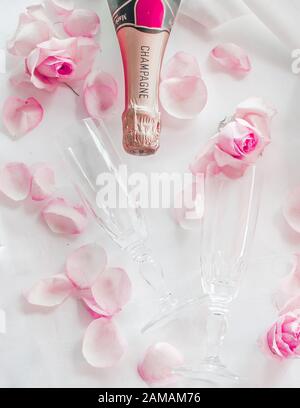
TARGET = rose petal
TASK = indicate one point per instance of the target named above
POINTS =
(15, 181)
(94, 309)
(82, 22)
(85, 265)
(30, 32)
(62, 7)
(159, 362)
(181, 65)
(112, 290)
(232, 57)
(50, 292)
(63, 218)
(291, 305)
(189, 206)
(289, 286)
(100, 95)
(20, 79)
(43, 182)
(291, 210)
(21, 116)
(103, 346)
(183, 98)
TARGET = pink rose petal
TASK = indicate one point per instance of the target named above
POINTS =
(63, 218)
(100, 95)
(232, 57)
(43, 182)
(159, 362)
(112, 290)
(289, 286)
(62, 7)
(50, 292)
(19, 79)
(30, 32)
(21, 116)
(183, 98)
(103, 346)
(84, 265)
(15, 181)
(291, 305)
(291, 210)
(181, 65)
(86, 296)
(82, 23)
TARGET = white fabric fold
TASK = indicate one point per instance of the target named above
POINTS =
(212, 13)
(282, 17)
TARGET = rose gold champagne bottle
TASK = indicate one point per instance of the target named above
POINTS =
(143, 28)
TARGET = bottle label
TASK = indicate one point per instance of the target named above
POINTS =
(146, 15)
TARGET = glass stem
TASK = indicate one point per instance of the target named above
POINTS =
(216, 331)
(151, 270)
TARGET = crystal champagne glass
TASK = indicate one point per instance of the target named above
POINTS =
(89, 155)
(230, 217)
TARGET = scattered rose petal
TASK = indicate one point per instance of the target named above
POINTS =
(291, 305)
(183, 93)
(43, 182)
(159, 362)
(103, 346)
(62, 7)
(15, 181)
(84, 265)
(291, 210)
(21, 116)
(232, 57)
(181, 65)
(19, 79)
(82, 22)
(30, 32)
(183, 98)
(100, 95)
(86, 296)
(112, 290)
(50, 292)
(63, 218)
(189, 206)
(289, 286)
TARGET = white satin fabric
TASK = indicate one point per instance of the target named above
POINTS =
(212, 13)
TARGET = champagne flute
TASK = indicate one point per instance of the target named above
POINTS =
(90, 158)
(229, 222)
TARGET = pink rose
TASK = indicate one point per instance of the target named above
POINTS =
(239, 143)
(283, 338)
(57, 61)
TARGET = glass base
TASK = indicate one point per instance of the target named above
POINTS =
(170, 309)
(211, 372)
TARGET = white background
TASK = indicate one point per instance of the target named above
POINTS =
(44, 348)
